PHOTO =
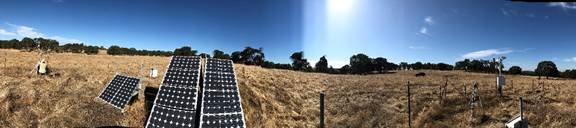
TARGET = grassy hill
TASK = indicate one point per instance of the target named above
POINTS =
(275, 98)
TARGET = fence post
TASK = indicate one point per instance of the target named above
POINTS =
(512, 85)
(465, 93)
(409, 107)
(5, 59)
(321, 109)
(521, 109)
(141, 70)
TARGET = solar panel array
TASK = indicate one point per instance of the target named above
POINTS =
(175, 103)
(119, 91)
(221, 105)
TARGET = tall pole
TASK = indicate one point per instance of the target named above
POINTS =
(409, 109)
(321, 109)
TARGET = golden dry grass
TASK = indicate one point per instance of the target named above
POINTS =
(275, 98)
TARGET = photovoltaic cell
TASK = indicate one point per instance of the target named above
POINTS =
(221, 104)
(119, 91)
(177, 97)
(175, 103)
(165, 117)
(185, 62)
(181, 78)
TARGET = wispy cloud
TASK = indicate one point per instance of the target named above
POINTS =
(418, 48)
(65, 40)
(524, 50)
(486, 53)
(26, 31)
(573, 59)
(504, 12)
(423, 30)
(429, 20)
(531, 15)
(6, 33)
(564, 5)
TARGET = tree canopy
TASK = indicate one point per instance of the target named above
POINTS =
(547, 68)
(322, 65)
(360, 64)
(299, 63)
(515, 70)
(185, 51)
(220, 54)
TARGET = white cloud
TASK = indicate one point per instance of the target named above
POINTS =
(65, 40)
(6, 33)
(563, 5)
(573, 59)
(428, 20)
(424, 31)
(25, 31)
(486, 53)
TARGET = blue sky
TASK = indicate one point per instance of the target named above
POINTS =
(399, 30)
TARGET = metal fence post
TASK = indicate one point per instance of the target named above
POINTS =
(321, 109)
(409, 107)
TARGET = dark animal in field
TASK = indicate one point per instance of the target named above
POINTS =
(420, 74)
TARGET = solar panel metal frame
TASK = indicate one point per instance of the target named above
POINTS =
(237, 89)
(138, 87)
(197, 86)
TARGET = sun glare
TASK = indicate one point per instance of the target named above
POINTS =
(340, 7)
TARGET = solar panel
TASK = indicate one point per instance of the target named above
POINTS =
(162, 117)
(175, 103)
(177, 97)
(221, 106)
(185, 62)
(181, 78)
(119, 90)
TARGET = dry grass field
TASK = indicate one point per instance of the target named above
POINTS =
(275, 98)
